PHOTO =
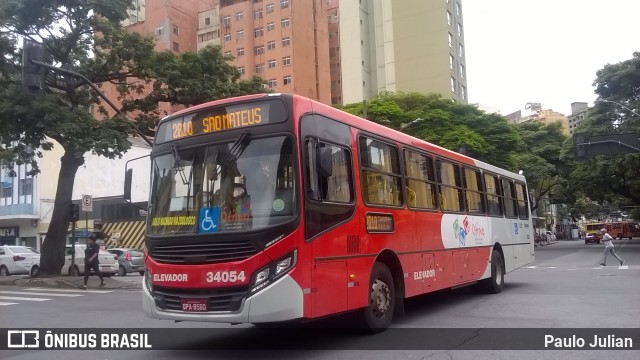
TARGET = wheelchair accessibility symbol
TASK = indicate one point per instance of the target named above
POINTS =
(208, 220)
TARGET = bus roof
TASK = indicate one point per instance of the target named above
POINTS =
(359, 123)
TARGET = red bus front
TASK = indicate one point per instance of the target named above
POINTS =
(223, 224)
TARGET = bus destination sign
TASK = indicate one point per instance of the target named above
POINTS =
(222, 118)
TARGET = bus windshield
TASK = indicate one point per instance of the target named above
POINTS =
(237, 186)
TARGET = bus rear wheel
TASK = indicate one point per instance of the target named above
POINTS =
(377, 316)
(495, 283)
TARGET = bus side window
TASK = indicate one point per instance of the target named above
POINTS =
(510, 205)
(420, 181)
(494, 198)
(523, 207)
(450, 184)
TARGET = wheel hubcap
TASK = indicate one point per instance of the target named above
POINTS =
(499, 273)
(380, 297)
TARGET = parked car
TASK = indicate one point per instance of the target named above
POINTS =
(108, 262)
(592, 238)
(16, 260)
(129, 260)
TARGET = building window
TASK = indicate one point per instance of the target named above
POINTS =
(451, 61)
(207, 21)
(257, 14)
(269, 8)
(285, 22)
(461, 50)
(448, 18)
(286, 60)
(227, 37)
(287, 80)
(271, 26)
(258, 32)
(453, 85)
(272, 83)
(259, 69)
(160, 30)
(176, 47)
(463, 92)
(286, 41)
(176, 30)
(26, 187)
(258, 50)
(458, 8)
(241, 70)
(240, 52)
(450, 40)
(284, 3)
(462, 71)
(227, 53)
(271, 63)
(226, 21)
(271, 45)
(459, 29)
(240, 34)
(240, 16)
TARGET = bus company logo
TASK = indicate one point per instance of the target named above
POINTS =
(22, 339)
(460, 232)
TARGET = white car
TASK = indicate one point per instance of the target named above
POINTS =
(16, 260)
(108, 262)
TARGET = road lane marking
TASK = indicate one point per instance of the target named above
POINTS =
(21, 298)
(38, 293)
(623, 267)
(71, 290)
(4, 303)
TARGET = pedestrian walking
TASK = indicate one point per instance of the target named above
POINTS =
(608, 247)
(91, 260)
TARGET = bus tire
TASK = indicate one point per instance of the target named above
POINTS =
(377, 316)
(495, 283)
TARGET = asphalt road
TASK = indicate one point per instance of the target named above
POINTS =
(564, 288)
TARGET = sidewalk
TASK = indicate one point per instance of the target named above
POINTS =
(69, 282)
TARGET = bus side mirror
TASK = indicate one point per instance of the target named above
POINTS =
(128, 177)
(326, 162)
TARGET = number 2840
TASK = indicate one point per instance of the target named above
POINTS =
(225, 276)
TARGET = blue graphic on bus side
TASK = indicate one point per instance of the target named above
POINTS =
(209, 220)
(516, 227)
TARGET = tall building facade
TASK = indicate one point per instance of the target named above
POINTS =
(579, 111)
(408, 45)
(283, 41)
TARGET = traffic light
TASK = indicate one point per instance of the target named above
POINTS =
(33, 75)
(75, 212)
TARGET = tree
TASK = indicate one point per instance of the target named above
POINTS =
(605, 178)
(87, 35)
(487, 137)
(539, 157)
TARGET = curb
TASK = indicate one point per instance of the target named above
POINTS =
(67, 284)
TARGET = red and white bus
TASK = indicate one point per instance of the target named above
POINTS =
(273, 207)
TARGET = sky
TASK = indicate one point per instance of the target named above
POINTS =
(544, 51)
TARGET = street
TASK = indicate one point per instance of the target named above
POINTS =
(564, 288)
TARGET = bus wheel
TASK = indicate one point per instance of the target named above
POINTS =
(379, 314)
(495, 283)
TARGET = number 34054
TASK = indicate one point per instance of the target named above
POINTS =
(225, 276)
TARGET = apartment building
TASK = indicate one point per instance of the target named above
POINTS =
(409, 45)
(283, 41)
(579, 111)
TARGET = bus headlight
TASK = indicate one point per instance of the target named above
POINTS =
(274, 270)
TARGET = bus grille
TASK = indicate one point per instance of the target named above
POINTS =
(209, 253)
(220, 299)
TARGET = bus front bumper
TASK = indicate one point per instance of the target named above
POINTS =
(280, 301)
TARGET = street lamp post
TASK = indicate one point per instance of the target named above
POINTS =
(404, 126)
(621, 105)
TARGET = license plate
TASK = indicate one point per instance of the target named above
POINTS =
(105, 267)
(194, 305)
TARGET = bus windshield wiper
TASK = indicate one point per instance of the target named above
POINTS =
(177, 165)
(238, 147)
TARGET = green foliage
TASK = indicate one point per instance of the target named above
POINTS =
(539, 157)
(606, 178)
(488, 137)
